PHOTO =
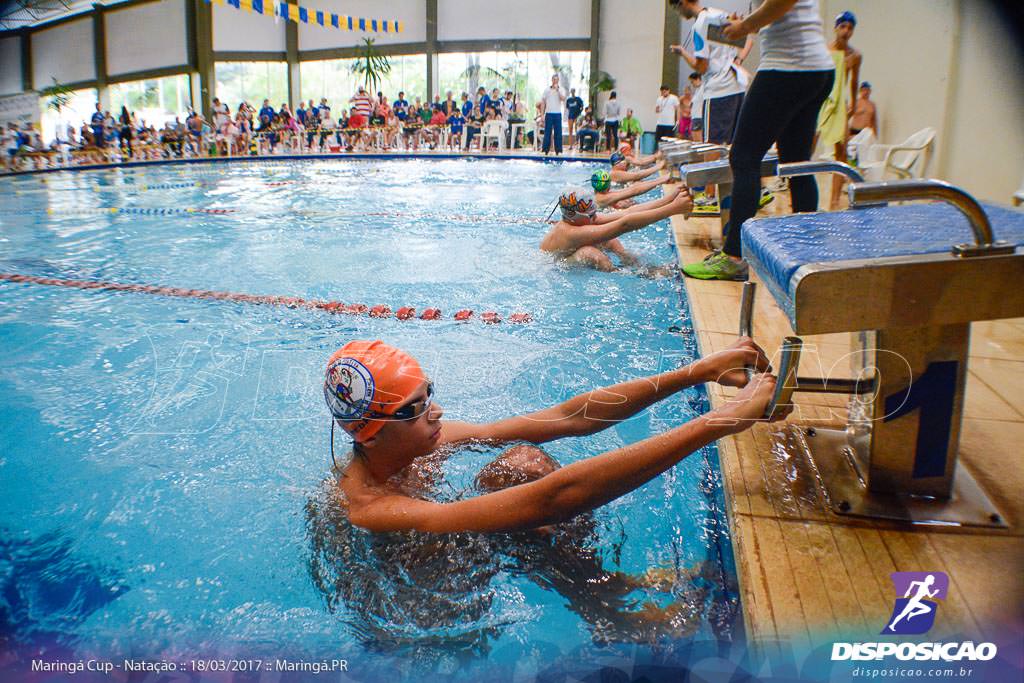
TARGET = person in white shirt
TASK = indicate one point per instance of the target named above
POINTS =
(723, 81)
(612, 114)
(666, 107)
(551, 106)
(794, 77)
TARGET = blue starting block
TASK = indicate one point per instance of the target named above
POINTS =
(904, 278)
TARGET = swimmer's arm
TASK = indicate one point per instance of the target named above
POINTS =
(595, 410)
(557, 497)
(643, 161)
(667, 197)
(629, 220)
(634, 190)
(631, 176)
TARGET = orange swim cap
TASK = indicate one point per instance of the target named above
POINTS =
(368, 377)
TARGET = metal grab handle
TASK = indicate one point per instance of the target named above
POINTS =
(791, 347)
(796, 168)
(906, 190)
(788, 363)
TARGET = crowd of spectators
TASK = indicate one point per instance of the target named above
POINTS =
(367, 123)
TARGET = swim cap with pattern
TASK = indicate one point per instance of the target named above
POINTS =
(601, 181)
(365, 378)
(577, 203)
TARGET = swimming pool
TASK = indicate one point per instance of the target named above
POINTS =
(166, 460)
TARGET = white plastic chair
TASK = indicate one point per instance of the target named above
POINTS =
(857, 147)
(1018, 196)
(909, 159)
(492, 130)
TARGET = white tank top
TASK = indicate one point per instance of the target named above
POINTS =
(796, 42)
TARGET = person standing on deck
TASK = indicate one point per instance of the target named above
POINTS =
(835, 112)
(793, 79)
(551, 107)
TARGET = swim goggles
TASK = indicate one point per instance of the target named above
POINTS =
(342, 409)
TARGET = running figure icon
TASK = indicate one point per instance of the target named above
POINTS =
(916, 607)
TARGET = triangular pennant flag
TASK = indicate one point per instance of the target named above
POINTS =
(334, 20)
(303, 15)
(257, 6)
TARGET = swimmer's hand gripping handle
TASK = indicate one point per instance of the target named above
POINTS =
(789, 362)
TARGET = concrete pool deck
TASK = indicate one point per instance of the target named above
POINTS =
(807, 575)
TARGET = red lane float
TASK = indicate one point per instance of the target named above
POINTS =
(336, 307)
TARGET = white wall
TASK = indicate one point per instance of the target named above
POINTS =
(146, 36)
(10, 65)
(984, 150)
(506, 19)
(632, 32)
(240, 31)
(64, 52)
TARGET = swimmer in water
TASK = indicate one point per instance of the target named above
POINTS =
(386, 404)
(631, 159)
(584, 236)
(622, 198)
(620, 169)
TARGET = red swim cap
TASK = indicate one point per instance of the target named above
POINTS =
(368, 377)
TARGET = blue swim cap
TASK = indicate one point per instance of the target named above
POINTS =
(846, 17)
(616, 158)
(865, 84)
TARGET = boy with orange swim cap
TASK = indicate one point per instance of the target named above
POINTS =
(381, 397)
(585, 236)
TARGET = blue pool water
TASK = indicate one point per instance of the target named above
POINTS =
(165, 461)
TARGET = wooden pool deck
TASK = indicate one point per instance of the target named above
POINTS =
(807, 574)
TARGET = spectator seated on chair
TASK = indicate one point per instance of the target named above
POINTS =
(587, 131)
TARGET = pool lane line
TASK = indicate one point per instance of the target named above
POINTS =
(134, 211)
(378, 311)
(159, 211)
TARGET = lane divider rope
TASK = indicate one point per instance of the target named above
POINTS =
(134, 210)
(379, 311)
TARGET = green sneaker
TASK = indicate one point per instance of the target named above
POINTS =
(705, 206)
(766, 198)
(717, 266)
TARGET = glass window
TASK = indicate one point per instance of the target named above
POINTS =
(252, 82)
(78, 109)
(335, 80)
(153, 101)
(525, 73)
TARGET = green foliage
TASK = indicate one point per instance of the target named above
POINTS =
(371, 65)
(59, 96)
(604, 83)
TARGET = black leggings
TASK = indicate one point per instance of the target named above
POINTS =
(611, 135)
(780, 107)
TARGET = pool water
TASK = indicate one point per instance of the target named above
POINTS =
(165, 461)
